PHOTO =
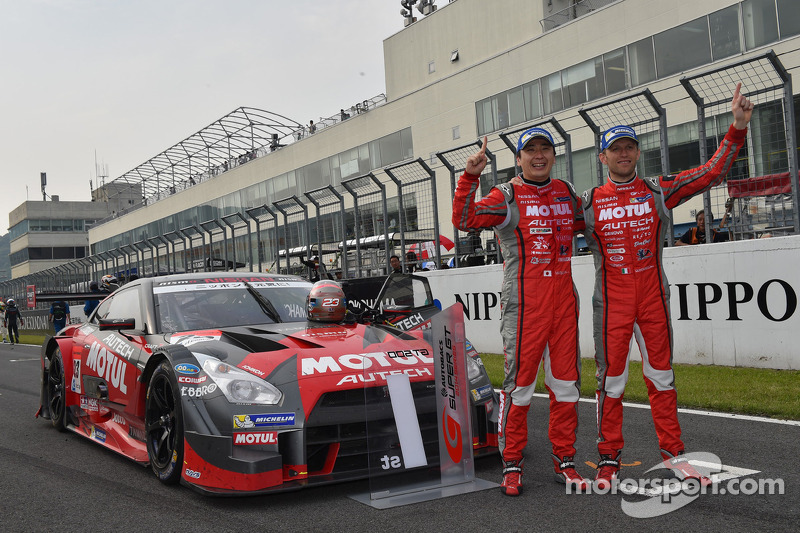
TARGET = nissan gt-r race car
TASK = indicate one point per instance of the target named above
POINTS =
(243, 383)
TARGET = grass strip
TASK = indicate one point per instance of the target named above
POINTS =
(741, 390)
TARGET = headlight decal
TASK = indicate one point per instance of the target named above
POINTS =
(237, 385)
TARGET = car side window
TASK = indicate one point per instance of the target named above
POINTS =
(102, 310)
(125, 304)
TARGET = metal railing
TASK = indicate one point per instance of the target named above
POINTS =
(576, 9)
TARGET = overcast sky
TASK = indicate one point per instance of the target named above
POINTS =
(126, 80)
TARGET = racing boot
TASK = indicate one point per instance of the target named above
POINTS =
(682, 468)
(607, 471)
(512, 478)
(566, 474)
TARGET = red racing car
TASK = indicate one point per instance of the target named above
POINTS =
(221, 381)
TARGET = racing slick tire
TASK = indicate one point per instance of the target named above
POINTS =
(56, 390)
(163, 422)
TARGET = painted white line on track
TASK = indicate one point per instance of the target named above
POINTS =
(698, 412)
(23, 360)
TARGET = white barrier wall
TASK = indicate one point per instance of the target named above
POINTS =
(733, 304)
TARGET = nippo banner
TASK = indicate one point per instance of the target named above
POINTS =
(732, 304)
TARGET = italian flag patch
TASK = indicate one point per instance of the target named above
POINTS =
(626, 270)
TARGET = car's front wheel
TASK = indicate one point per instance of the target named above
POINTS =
(163, 419)
(56, 394)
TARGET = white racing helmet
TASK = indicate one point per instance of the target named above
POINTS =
(109, 283)
(326, 302)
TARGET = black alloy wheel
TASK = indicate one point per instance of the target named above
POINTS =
(56, 386)
(163, 422)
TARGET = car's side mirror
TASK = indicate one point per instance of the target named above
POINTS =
(116, 324)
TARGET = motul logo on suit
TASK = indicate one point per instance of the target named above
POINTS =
(547, 210)
(634, 210)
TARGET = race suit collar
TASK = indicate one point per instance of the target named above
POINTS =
(536, 183)
(624, 183)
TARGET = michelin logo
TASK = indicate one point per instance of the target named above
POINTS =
(265, 420)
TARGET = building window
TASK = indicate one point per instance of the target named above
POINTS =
(553, 100)
(614, 69)
(516, 106)
(533, 100)
(583, 82)
(61, 225)
(724, 26)
(760, 22)
(39, 225)
(682, 48)
(641, 62)
(789, 17)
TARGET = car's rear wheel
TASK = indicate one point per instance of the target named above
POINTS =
(163, 420)
(56, 394)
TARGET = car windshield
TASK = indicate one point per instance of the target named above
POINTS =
(202, 305)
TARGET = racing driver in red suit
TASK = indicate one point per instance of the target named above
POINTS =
(534, 222)
(625, 222)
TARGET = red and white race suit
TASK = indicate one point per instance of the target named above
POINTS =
(625, 226)
(539, 305)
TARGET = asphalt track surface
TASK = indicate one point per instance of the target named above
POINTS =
(55, 481)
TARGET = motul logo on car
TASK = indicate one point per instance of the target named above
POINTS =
(325, 364)
(262, 437)
(547, 210)
(107, 366)
(619, 212)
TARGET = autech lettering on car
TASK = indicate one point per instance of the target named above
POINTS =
(263, 420)
(255, 437)
(187, 369)
(380, 377)
(410, 322)
(107, 366)
(119, 346)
